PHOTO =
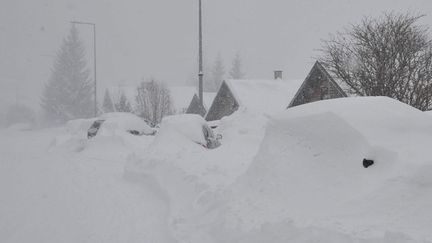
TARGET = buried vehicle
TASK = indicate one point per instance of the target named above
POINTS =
(110, 123)
(193, 127)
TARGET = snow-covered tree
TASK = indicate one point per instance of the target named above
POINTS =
(217, 75)
(107, 104)
(153, 101)
(68, 94)
(236, 69)
(123, 105)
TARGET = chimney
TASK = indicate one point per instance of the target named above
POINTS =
(277, 74)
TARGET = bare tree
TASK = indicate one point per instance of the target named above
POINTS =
(153, 101)
(387, 56)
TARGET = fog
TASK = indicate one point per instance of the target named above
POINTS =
(140, 39)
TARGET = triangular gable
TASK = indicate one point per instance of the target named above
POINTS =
(196, 107)
(318, 85)
(224, 104)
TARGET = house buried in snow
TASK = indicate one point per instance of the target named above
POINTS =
(272, 96)
(318, 85)
(196, 107)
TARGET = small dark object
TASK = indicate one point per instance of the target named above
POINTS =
(367, 162)
(92, 131)
(134, 132)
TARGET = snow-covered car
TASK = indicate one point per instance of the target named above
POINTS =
(119, 121)
(194, 127)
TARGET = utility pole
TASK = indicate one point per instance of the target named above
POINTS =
(200, 68)
(94, 61)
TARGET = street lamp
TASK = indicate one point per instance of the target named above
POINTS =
(94, 59)
(200, 54)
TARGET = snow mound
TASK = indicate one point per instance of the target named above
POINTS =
(190, 177)
(119, 121)
(309, 170)
(111, 135)
(79, 127)
(189, 125)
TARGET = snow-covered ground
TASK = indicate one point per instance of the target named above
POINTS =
(294, 177)
(57, 187)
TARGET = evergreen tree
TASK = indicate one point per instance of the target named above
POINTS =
(123, 104)
(217, 74)
(107, 105)
(236, 69)
(68, 94)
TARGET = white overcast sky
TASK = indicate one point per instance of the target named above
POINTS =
(156, 38)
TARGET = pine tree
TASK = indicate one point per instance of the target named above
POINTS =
(123, 104)
(68, 94)
(236, 69)
(107, 105)
(217, 74)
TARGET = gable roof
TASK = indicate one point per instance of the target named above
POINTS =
(264, 96)
(195, 106)
(320, 67)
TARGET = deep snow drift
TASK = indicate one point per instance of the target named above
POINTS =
(56, 186)
(295, 177)
(309, 173)
(304, 181)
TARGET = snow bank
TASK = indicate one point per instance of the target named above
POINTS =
(188, 176)
(111, 135)
(309, 171)
(123, 122)
(68, 196)
(79, 127)
(188, 125)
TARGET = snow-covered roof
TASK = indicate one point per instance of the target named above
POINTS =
(264, 96)
(181, 96)
(208, 99)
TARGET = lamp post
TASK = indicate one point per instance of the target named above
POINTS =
(200, 68)
(94, 60)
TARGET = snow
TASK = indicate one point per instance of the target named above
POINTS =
(296, 176)
(188, 125)
(55, 194)
(129, 91)
(308, 173)
(115, 122)
(208, 99)
(121, 121)
(181, 97)
(264, 96)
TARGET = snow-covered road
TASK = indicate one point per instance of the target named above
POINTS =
(54, 194)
